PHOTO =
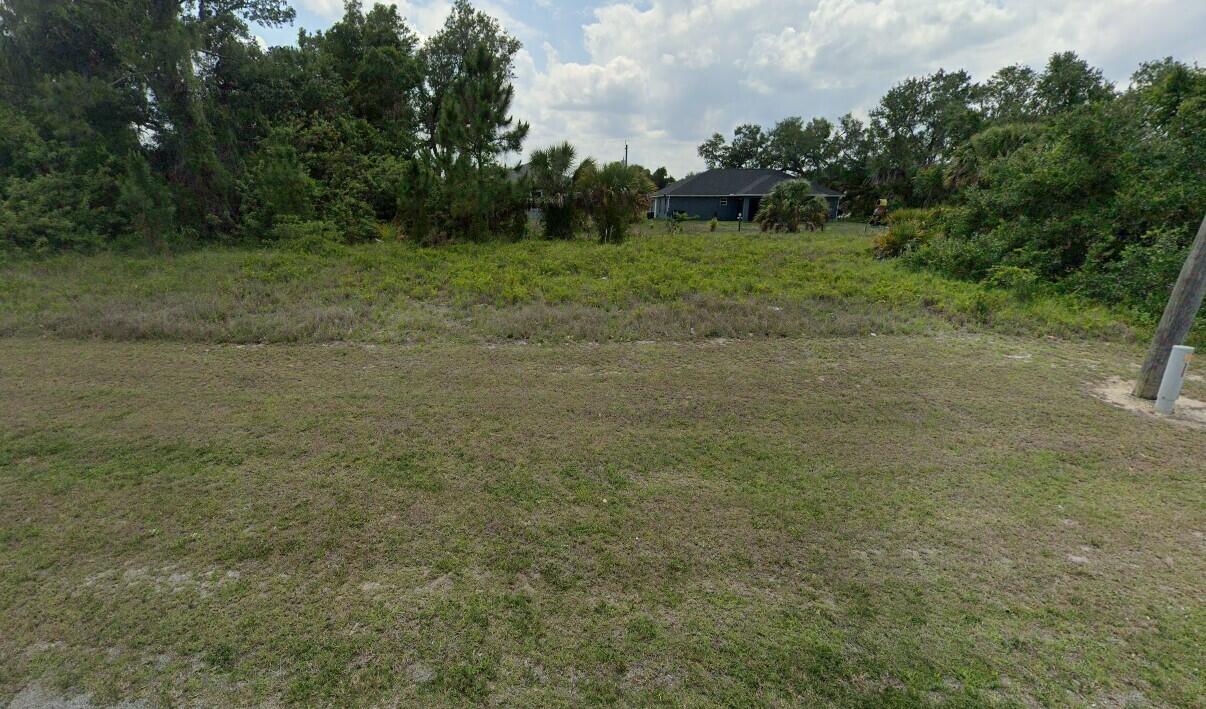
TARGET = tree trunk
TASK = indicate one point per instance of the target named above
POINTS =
(1178, 318)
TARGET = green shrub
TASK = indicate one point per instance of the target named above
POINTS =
(354, 218)
(466, 204)
(309, 237)
(615, 196)
(59, 211)
(1142, 275)
(675, 222)
(713, 225)
(1022, 282)
(907, 229)
(148, 203)
(278, 186)
(791, 205)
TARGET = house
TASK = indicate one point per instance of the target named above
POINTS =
(524, 172)
(725, 194)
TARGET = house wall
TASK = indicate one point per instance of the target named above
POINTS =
(699, 207)
(834, 205)
(706, 207)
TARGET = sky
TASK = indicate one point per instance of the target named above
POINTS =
(663, 75)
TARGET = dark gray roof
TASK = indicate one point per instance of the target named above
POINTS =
(737, 183)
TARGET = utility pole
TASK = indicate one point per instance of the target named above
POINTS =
(625, 154)
(1178, 318)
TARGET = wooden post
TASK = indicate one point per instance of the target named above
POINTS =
(1178, 318)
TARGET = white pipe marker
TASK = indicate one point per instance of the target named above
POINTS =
(1174, 379)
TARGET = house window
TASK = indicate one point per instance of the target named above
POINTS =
(724, 201)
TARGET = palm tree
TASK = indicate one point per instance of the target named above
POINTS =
(615, 196)
(552, 173)
(966, 167)
(791, 204)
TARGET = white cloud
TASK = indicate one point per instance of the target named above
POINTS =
(667, 73)
(325, 8)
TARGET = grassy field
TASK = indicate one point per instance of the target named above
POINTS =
(636, 503)
(686, 286)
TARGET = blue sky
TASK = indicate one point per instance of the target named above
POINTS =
(663, 75)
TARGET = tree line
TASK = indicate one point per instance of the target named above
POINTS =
(143, 122)
(1032, 179)
(900, 151)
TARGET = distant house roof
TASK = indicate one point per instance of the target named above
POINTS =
(520, 172)
(735, 183)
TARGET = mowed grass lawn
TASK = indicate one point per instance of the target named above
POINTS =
(793, 493)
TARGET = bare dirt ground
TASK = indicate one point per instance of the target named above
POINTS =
(1117, 392)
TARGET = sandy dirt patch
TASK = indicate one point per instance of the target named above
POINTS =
(1190, 413)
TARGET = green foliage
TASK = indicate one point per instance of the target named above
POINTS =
(615, 196)
(355, 219)
(552, 176)
(315, 238)
(148, 203)
(278, 186)
(456, 189)
(56, 211)
(801, 149)
(713, 225)
(915, 148)
(751, 147)
(674, 223)
(463, 204)
(418, 200)
(661, 178)
(1143, 274)
(907, 229)
(1068, 83)
(1023, 282)
(965, 167)
(446, 55)
(791, 205)
(125, 122)
(1102, 200)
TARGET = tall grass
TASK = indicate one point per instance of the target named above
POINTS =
(390, 291)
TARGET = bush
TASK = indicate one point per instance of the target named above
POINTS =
(790, 205)
(907, 229)
(354, 218)
(1143, 275)
(309, 237)
(675, 222)
(278, 186)
(467, 204)
(713, 225)
(552, 174)
(148, 203)
(59, 211)
(1023, 282)
(615, 196)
